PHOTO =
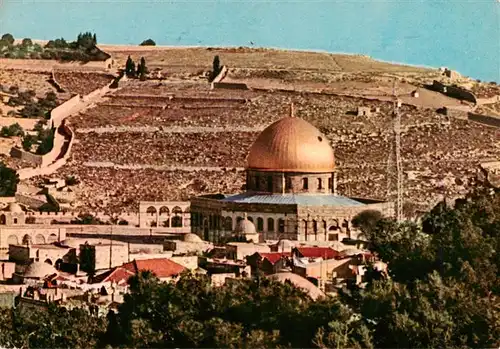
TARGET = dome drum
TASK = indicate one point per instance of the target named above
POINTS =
(291, 182)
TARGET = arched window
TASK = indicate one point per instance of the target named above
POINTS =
(164, 211)
(151, 211)
(270, 224)
(320, 183)
(315, 227)
(281, 225)
(26, 239)
(260, 224)
(40, 239)
(239, 219)
(3, 220)
(176, 219)
(52, 238)
(330, 183)
(250, 219)
(305, 183)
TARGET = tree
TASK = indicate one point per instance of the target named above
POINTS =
(27, 42)
(148, 42)
(28, 142)
(142, 69)
(46, 138)
(13, 130)
(216, 68)
(8, 38)
(367, 220)
(130, 67)
(8, 181)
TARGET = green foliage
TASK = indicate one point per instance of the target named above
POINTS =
(14, 130)
(86, 40)
(8, 38)
(71, 180)
(367, 220)
(243, 313)
(148, 42)
(8, 181)
(46, 138)
(54, 327)
(445, 278)
(27, 42)
(216, 68)
(130, 68)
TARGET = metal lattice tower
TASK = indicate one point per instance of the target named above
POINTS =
(394, 162)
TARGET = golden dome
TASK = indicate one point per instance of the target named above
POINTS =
(291, 145)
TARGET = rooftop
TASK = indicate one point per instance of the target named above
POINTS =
(161, 267)
(293, 199)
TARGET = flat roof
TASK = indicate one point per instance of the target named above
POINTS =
(293, 199)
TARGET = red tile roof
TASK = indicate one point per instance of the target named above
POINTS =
(116, 275)
(161, 267)
(316, 252)
(273, 257)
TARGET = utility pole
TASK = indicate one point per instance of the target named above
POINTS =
(394, 162)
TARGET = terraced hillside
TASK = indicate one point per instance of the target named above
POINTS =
(172, 140)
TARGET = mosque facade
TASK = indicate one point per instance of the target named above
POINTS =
(291, 191)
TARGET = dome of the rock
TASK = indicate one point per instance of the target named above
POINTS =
(291, 145)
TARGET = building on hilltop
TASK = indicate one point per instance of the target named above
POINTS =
(291, 191)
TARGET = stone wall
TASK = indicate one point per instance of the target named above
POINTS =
(33, 159)
(55, 83)
(453, 91)
(485, 119)
(53, 160)
(61, 112)
(231, 85)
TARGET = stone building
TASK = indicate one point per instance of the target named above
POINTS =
(106, 255)
(291, 191)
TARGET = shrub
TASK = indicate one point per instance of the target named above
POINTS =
(27, 42)
(8, 181)
(28, 142)
(8, 38)
(71, 180)
(46, 138)
(13, 130)
(148, 42)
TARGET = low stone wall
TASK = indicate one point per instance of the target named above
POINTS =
(485, 119)
(51, 163)
(33, 159)
(457, 112)
(231, 85)
(58, 114)
(55, 83)
(64, 136)
(29, 201)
